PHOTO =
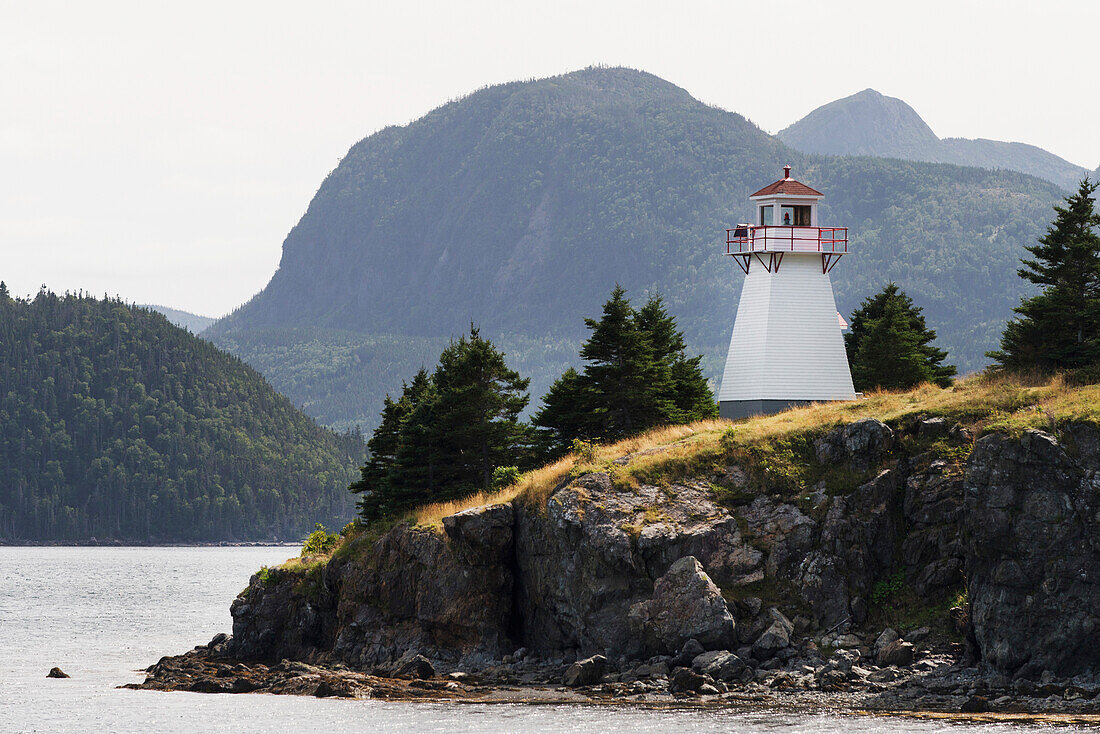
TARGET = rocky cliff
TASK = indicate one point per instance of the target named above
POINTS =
(893, 526)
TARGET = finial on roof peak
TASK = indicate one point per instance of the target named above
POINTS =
(787, 171)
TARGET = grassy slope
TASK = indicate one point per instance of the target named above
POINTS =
(777, 446)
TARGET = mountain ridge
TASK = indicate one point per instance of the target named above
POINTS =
(520, 206)
(871, 123)
(193, 322)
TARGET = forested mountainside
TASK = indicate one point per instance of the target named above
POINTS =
(183, 319)
(115, 424)
(870, 123)
(520, 206)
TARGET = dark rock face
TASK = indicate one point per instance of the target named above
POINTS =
(685, 605)
(933, 548)
(271, 621)
(448, 597)
(597, 551)
(57, 673)
(1033, 553)
(854, 548)
(861, 444)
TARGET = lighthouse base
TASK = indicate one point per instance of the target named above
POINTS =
(735, 409)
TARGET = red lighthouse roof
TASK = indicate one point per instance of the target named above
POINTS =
(789, 186)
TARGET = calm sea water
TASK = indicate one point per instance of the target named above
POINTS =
(101, 614)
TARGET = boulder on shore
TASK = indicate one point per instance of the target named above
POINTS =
(585, 672)
(56, 672)
(897, 652)
(686, 604)
(414, 665)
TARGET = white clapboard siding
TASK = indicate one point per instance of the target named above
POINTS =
(786, 341)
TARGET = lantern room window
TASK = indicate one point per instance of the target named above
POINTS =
(766, 215)
(795, 216)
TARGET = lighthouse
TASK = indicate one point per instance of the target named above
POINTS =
(786, 348)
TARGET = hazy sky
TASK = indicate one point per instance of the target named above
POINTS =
(162, 151)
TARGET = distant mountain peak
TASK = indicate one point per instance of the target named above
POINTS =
(183, 319)
(865, 123)
(871, 123)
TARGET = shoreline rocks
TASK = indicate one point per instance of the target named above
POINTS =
(936, 683)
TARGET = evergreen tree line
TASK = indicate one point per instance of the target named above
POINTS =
(457, 430)
(447, 433)
(115, 424)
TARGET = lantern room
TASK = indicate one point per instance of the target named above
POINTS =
(785, 221)
(786, 203)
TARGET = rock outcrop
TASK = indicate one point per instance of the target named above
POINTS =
(701, 577)
(1032, 533)
(448, 596)
(595, 551)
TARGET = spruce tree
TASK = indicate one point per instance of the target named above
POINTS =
(566, 413)
(633, 387)
(692, 398)
(637, 377)
(383, 447)
(412, 477)
(1060, 327)
(476, 426)
(382, 480)
(890, 347)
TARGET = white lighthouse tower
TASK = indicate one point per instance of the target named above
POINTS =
(787, 348)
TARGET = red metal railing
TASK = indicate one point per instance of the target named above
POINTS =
(780, 238)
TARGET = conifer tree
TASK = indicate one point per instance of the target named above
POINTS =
(384, 446)
(634, 388)
(1060, 327)
(889, 346)
(412, 475)
(692, 398)
(637, 377)
(566, 413)
(476, 426)
(448, 433)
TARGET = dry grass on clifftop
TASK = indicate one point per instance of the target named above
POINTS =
(982, 403)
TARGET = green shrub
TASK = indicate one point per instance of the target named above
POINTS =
(319, 541)
(886, 591)
(505, 476)
(585, 451)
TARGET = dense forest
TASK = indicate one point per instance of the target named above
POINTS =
(115, 424)
(520, 206)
